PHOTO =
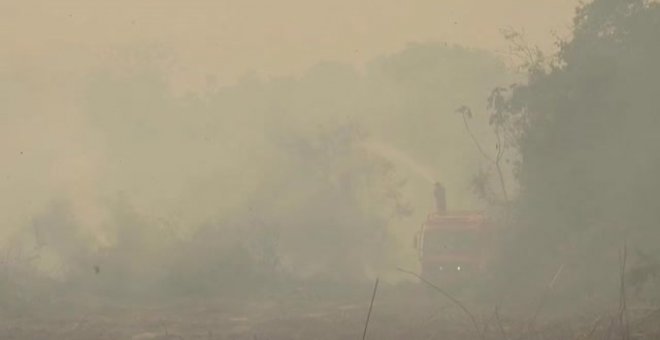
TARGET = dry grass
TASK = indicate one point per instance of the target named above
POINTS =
(398, 313)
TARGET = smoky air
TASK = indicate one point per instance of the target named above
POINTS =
(330, 170)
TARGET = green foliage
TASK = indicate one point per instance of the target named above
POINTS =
(587, 133)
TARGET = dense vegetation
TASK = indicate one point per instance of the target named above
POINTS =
(585, 126)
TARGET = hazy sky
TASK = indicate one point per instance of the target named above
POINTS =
(227, 38)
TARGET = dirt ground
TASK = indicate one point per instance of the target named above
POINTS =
(398, 313)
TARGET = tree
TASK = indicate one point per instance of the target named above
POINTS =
(587, 134)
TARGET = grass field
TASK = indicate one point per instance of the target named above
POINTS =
(402, 312)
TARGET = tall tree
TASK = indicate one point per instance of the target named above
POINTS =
(588, 140)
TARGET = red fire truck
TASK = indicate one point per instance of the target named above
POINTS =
(453, 244)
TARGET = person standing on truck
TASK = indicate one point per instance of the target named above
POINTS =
(440, 200)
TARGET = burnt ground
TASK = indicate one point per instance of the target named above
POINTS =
(413, 312)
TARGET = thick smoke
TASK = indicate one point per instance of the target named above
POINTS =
(326, 175)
